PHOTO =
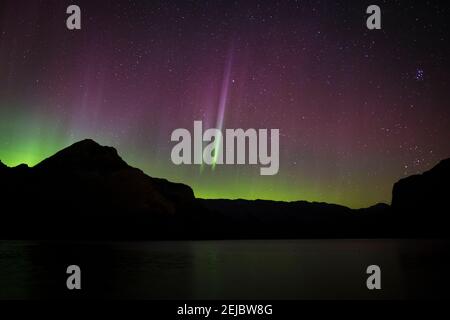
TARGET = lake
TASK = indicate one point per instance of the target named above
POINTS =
(259, 269)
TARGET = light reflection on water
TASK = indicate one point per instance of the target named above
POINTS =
(272, 269)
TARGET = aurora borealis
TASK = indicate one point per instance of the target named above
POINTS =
(357, 109)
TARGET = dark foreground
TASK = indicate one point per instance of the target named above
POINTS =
(275, 269)
(88, 192)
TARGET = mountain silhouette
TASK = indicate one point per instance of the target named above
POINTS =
(102, 172)
(86, 188)
(87, 191)
(86, 155)
(428, 190)
(423, 199)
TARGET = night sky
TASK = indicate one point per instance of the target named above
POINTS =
(357, 109)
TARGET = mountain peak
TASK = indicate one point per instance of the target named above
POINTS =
(86, 142)
(85, 155)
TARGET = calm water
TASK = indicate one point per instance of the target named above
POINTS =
(297, 269)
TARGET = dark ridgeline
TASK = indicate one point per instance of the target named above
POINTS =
(429, 190)
(422, 201)
(3, 168)
(87, 191)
